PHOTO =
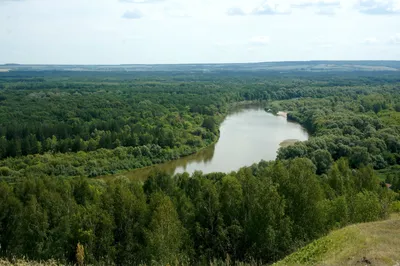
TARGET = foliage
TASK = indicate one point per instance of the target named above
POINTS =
(97, 123)
(57, 129)
(259, 213)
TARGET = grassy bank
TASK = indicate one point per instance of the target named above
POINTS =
(374, 243)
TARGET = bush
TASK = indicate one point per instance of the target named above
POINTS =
(5, 171)
(396, 207)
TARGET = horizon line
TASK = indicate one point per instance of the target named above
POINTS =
(236, 63)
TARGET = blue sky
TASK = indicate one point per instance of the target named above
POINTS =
(197, 31)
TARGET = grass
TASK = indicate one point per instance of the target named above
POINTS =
(376, 243)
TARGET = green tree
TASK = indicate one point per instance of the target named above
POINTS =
(359, 156)
(302, 190)
(210, 124)
(231, 198)
(322, 159)
(127, 203)
(165, 236)
(365, 178)
(32, 232)
(10, 217)
(366, 207)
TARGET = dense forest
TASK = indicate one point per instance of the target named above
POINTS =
(58, 129)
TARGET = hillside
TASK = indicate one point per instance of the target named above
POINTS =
(374, 243)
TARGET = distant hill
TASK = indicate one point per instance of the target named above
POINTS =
(376, 243)
(284, 67)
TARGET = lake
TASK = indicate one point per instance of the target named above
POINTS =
(248, 135)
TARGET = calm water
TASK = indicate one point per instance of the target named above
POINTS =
(247, 136)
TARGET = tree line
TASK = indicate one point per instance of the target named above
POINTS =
(260, 213)
(70, 124)
(365, 129)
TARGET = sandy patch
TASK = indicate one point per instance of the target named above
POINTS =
(288, 142)
(280, 113)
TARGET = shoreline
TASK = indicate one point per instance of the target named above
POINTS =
(150, 167)
(288, 142)
(220, 118)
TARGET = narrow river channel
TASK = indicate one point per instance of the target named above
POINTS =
(247, 135)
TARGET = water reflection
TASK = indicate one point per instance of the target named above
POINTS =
(247, 135)
(204, 157)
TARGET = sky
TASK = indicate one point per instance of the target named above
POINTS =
(197, 31)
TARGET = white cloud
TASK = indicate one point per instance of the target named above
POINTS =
(133, 14)
(90, 27)
(259, 40)
(321, 7)
(379, 7)
(235, 11)
(317, 3)
(269, 8)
